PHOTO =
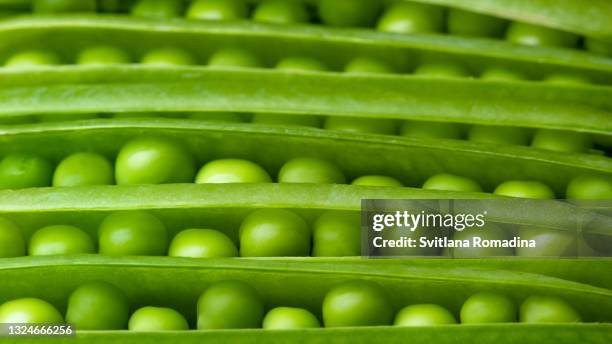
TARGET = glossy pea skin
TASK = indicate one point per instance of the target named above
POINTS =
(132, 233)
(502, 74)
(202, 243)
(98, 306)
(234, 57)
(32, 58)
(154, 160)
(488, 307)
(561, 141)
(157, 9)
(230, 305)
(472, 24)
(337, 234)
(404, 17)
(374, 180)
(489, 232)
(61, 6)
(232, 171)
(103, 55)
(348, 13)
(589, 187)
(228, 117)
(218, 10)
(450, 182)
(381, 126)
(285, 318)
(549, 242)
(22, 170)
(547, 309)
(524, 189)
(441, 70)
(432, 130)
(274, 233)
(498, 135)
(424, 315)
(29, 311)
(291, 120)
(301, 63)
(168, 57)
(368, 65)
(12, 242)
(535, 35)
(157, 319)
(281, 12)
(310, 170)
(357, 303)
(81, 169)
(60, 240)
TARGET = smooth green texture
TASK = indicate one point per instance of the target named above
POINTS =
(98, 306)
(63, 6)
(157, 9)
(488, 307)
(12, 242)
(498, 135)
(147, 319)
(534, 35)
(301, 63)
(286, 120)
(375, 180)
(131, 233)
(274, 233)
(441, 70)
(202, 243)
(410, 17)
(80, 169)
(217, 10)
(102, 55)
(433, 130)
(229, 117)
(230, 304)
(310, 170)
(281, 12)
(567, 78)
(166, 57)
(589, 187)
(234, 57)
(285, 318)
(232, 171)
(32, 58)
(524, 189)
(368, 65)
(547, 309)
(449, 182)
(472, 24)
(348, 13)
(502, 74)
(381, 126)
(424, 315)
(29, 311)
(60, 240)
(489, 231)
(561, 141)
(598, 46)
(336, 234)
(18, 171)
(549, 242)
(357, 303)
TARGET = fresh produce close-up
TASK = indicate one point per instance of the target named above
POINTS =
(306, 171)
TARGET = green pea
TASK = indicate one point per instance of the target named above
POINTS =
(234, 57)
(502, 74)
(301, 63)
(488, 232)
(29, 311)
(102, 55)
(472, 24)
(381, 126)
(487, 307)
(524, 189)
(347, 13)
(281, 12)
(149, 319)
(547, 309)
(228, 305)
(549, 242)
(132, 233)
(83, 169)
(598, 46)
(561, 141)
(218, 10)
(60, 6)
(232, 171)
(498, 135)
(274, 233)
(32, 58)
(310, 170)
(60, 240)
(529, 34)
(12, 242)
(589, 187)
(337, 234)
(229, 117)
(424, 315)
(285, 318)
(18, 171)
(154, 160)
(357, 303)
(168, 57)
(290, 120)
(368, 65)
(158, 9)
(441, 70)
(567, 79)
(433, 130)
(377, 181)
(450, 182)
(202, 243)
(403, 17)
(98, 306)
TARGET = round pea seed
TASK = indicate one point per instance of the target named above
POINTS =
(535, 35)
(301, 63)
(357, 303)
(424, 315)
(561, 141)
(132, 233)
(61, 6)
(377, 181)
(157, 319)
(102, 55)
(18, 171)
(348, 13)
(337, 234)
(60, 240)
(547, 309)
(449, 182)
(229, 117)
(502, 74)
(472, 24)
(310, 170)
(98, 306)
(154, 160)
(32, 58)
(403, 17)
(202, 243)
(549, 242)
(291, 120)
(433, 130)
(83, 169)
(381, 126)
(234, 57)
(281, 12)
(589, 187)
(274, 233)
(487, 307)
(284, 318)
(218, 10)
(498, 135)
(368, 65)
(29, 311)
(168, 57)
(524, 189)
(232, 171)
(441, 70)
(12, 242)
(488, 232)
(228, 305)
(158, 9)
